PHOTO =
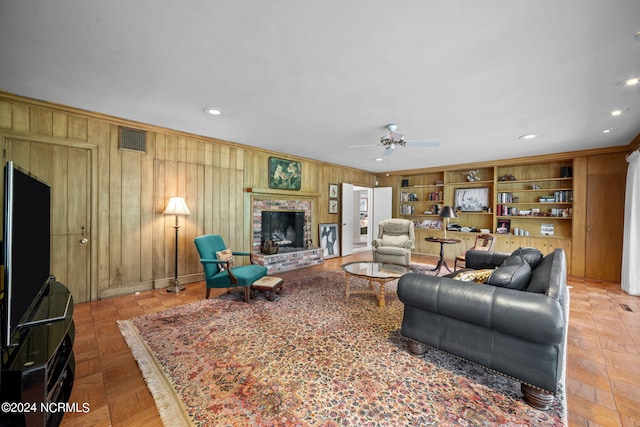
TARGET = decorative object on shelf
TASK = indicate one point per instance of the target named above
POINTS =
(405, 183)
(504, 226)
(329, 240)
(472, 175)
(566, 172)
(507, 177)
(447, 212)
(176, 206)
(535, 187)
(285, 174)
(472, 199)
(333, 191)
(546, 229)
(333, 206)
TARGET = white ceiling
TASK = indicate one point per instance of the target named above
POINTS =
(310, 78)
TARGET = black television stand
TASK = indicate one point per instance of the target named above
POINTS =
(37, 373)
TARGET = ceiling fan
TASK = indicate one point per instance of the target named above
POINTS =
(394, 139)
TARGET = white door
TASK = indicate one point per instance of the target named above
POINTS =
(346, 239)
(381, 208)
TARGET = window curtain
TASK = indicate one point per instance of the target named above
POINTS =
(631, 243)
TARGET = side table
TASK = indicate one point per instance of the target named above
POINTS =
(441, 262)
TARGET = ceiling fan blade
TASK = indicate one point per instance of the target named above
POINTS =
(426, 143)
(360, 146)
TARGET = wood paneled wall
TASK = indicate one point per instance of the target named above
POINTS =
(132, 243)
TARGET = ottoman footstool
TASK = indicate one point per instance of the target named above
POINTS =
(270, 285)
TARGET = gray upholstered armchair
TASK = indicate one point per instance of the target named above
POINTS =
(395, 241)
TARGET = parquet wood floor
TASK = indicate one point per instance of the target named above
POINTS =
(603, 360)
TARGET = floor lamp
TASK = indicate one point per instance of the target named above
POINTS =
(176, 206)
(447, 212)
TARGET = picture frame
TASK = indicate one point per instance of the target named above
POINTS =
(329, 240)
(285, 174)
(504, 226)
(364, 205)
(333, 191)
(333, 206)
(472, 199)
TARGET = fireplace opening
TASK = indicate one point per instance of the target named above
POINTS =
(286, 228)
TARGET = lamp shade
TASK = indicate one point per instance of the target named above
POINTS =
(177, 206)
(448, 212)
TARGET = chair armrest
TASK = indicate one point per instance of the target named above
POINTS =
(252, 260)
(212, 261)
(409, 244)
(377, 243)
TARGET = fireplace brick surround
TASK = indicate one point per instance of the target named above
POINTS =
(294, 257)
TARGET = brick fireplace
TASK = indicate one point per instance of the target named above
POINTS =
(286, 258)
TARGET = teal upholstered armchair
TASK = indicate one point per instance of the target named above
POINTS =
(219, 271)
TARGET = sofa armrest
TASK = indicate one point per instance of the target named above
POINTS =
(532, 317)
(478, 260)
(377, 243)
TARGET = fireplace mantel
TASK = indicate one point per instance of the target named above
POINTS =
(279, 192)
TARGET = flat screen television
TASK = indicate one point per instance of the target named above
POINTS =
(26, 249)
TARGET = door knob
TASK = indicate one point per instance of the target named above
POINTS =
(84, 239)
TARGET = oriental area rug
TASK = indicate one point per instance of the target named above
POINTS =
(313, 358)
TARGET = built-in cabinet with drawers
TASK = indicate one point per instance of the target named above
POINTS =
(527, 204)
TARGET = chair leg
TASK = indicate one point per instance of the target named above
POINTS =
(247, 294)
(208, 293)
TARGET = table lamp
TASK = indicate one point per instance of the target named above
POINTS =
(447, 212)
(176, 206)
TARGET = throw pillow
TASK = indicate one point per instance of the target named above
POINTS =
(513, 273)
(532, 256)
(225, 255)
(476, 276)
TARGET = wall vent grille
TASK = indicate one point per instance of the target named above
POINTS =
(133, 139)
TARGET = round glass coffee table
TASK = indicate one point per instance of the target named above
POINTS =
(374, 272)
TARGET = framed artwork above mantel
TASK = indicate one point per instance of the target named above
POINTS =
(285, 174)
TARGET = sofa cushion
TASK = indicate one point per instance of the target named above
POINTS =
(513, 273)
(393, 240)
(541, 276)
(532, 256)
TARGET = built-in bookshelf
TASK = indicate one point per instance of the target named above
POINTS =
(524, 204)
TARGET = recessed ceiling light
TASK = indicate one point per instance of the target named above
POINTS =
(379, 159)
(637, 36)
(528, 136)
(615, 113)
(630, 82)
(608, 130)
(212, 111)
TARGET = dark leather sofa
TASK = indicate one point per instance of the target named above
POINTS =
(516, 327)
